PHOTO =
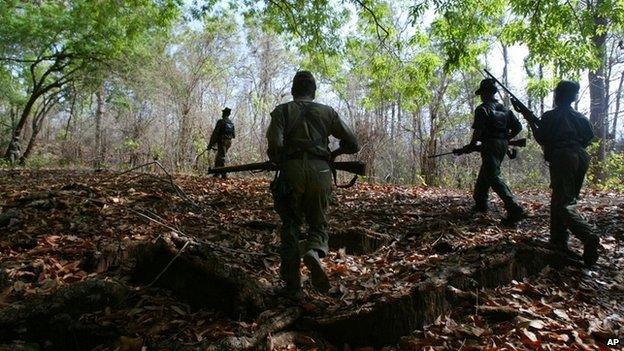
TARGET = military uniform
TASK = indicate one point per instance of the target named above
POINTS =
(222, 136)
(564, 133)
(298, 139)
(16, 151)
(497, 126)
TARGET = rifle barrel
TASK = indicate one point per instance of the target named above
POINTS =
(500, 84)
(442, 154)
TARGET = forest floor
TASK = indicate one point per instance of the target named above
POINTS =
(191, 263)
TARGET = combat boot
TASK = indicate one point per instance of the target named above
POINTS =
(317, 273)
(291, 294)
(513, 216)
(590, 250)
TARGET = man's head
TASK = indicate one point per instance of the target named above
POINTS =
(566, 93)
(226, 112)
(487, 89)
(304, 85)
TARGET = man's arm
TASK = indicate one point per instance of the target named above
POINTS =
(515, 127)
(537, 125)
(478, 125)
(586, 132)
(275, 136)
(348, 141)
(214, 137)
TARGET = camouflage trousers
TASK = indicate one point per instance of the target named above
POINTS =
(492, 155)
(568, 167)
(222, 148)
(310, 185)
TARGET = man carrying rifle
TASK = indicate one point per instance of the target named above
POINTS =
(222, 135)
(494, 125)
(564, 133)
(298, 140)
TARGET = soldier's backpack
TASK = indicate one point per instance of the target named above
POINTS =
(498, 117)
(229, 131)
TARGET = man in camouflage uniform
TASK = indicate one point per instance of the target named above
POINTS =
(298, 140)
(16, 151)
(564, 133)
(494, 125)
(222, 135)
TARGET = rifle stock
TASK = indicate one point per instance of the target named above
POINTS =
(355, 167)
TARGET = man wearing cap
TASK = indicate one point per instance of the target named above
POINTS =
(564, 133)
(222, 135)
(298, 140)
(494, 125)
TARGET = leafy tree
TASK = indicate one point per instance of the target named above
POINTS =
(48, 44)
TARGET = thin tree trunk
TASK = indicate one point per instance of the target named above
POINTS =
(37, 122)
(541, 77)
(597, 87)
(618, 99)
(99, 114)
(506, 73)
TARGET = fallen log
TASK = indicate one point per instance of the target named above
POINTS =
(385, 321)
(196, 274)
(358, 240)
(277, 322)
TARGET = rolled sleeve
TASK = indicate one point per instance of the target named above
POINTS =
(348, 141)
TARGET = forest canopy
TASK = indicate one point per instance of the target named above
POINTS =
(116, 84)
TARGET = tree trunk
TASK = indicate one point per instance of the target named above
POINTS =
(506, 73)
(597, 87)
(618, 99)
(99, 113)
(22, 121)
(541, 98)
(36, 128)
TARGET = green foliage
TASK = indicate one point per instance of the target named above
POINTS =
(130, 144)
(41, 161)
(613, 170)
(606, 175)
(313, 27)
(464, 28)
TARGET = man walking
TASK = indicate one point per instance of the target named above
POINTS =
(564, 133)
(222, 135)
(298, 140)
(494, 125)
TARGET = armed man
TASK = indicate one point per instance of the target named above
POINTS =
(564, 133)
(222, 135)
(16, 151)
(298, 140)
(494, 125)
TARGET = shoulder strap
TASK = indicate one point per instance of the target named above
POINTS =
(289, 129)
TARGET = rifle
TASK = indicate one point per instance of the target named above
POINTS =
(355, 167)
(518, 105)
(475, 148)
